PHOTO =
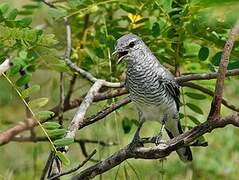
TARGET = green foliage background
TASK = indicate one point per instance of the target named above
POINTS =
(189, 34)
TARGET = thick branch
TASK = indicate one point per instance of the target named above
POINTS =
(138, 152)
(80, 114)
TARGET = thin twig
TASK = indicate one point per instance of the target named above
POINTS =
(71, 87)
(204, 76)
(211, 93)
(46, 167)
(50, 4)
(39, 139)
(76, 168)
(103, 113)
(62, 97)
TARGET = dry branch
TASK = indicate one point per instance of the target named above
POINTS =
(217, 99)
(138, 151)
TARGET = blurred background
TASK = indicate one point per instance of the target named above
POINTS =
(186, 35)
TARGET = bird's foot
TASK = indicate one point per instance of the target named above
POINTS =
(158, 140)
(137, 141)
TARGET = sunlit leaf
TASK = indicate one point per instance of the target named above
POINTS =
(64, 141)
(51, 125)
(56, 133)
(44, 114)
(37, 103)
(62, 156)
(12, 14)
(30, 90)
(23, 80)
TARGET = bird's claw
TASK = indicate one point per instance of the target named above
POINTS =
(137, 141)
(158, 140)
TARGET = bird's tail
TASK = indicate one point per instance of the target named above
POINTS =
(184, 153)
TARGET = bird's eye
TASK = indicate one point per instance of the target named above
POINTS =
(131, 44)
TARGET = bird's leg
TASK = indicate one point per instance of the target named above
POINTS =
(136, 138)
(157, 139)
(160, 135)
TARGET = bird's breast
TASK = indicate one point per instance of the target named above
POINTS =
(145, 88)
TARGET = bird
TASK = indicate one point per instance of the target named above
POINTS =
(152, 88)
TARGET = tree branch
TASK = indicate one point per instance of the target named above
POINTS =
(137, 151)
(205, 76)
(103, 113)
(211, 93)
(44, 139)
(28, 124)
(80, 114)
(76, 168)
(217, 99)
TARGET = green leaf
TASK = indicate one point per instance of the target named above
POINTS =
(181, 115)
(195, 95)
(216, 59)
(64, 142)
(15, 69)
(23, 54)
(127, 8)
(233, 65)
(44, 114)
(203, 53)
(57, 13)
(155, 29)
(33, 89)
(56, 133)
(37, 103)
(195, 108)
(4, 8)
(23, 80)
(25, 22)
(63, 158)
(51, 125)
(194, 120)
(127, 125)
(12, 15)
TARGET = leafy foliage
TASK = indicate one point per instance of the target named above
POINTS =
(185, 35)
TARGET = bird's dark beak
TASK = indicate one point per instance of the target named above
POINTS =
(120, 55)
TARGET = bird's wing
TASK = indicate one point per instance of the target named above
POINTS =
(173, 89)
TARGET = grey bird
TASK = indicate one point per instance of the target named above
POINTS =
(152, 89)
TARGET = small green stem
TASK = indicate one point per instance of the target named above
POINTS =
(33, 114)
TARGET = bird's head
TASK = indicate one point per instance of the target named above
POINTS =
(129, 47)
